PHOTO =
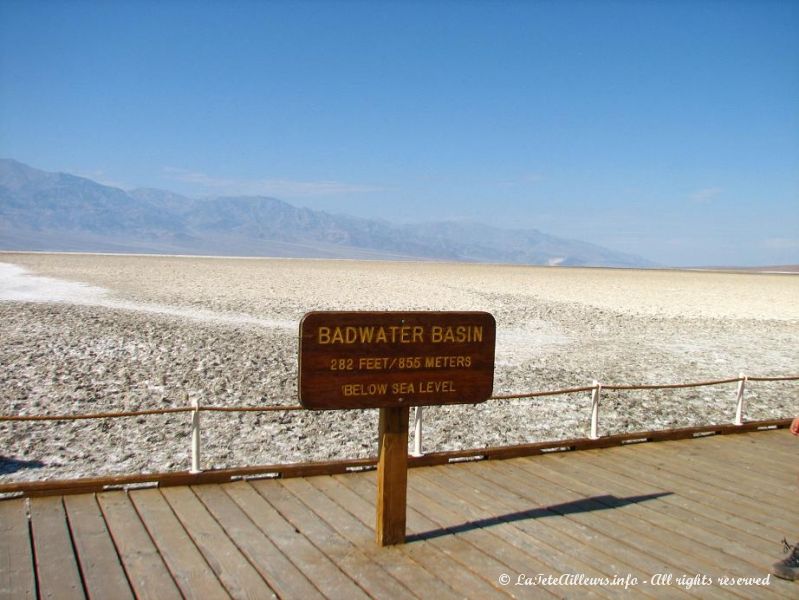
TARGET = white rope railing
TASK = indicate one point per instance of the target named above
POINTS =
(596, 388)
(596, 398)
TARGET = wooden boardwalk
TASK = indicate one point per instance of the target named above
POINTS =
(637, 515)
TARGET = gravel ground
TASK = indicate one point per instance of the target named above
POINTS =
(88, 333)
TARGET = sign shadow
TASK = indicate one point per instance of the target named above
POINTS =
(594, 503)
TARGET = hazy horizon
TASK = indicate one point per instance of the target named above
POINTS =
(665, 130)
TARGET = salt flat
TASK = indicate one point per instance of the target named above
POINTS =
(82, 333)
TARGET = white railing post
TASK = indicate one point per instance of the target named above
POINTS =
(195, 437)
(739, 407)
(417, 432)
(595, 397)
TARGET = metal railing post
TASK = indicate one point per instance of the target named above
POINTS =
(739, 406)
(595, 397)
(195, 437)
(417, 432)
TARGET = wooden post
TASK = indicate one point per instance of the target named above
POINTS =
(392, 475)
(195, 437)
(739, 400)
(595, 397)
(417, 432)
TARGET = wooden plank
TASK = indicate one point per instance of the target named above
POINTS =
(539, 534)
(760, 458)
(745, 540)
(147, 573)
(758, 450)
(698, 506)
(485, 555)
(645, 543)
(452, 556)
(355, 563)
(191, 572)
(16, 559)
(235, 572)
(275, 567)
(578, 536)
(328, 501)
(711, 491)
(103, 574)
(749, 458)
(732, 547)
(448, 515)
(724, 470)
(734, 558)
(743, 448)
(779, 440)
(313, 563)
(448, 571)
(56, 568)
(522, 553)
(392, 476)
(670, 505)
(607, 518)
(560, 545)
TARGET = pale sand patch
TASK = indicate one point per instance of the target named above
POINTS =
(18, 285)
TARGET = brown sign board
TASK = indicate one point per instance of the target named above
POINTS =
(393, 359)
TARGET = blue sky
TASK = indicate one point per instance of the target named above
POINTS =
(666, 129)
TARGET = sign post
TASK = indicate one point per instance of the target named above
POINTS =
(391, 361)
(392, 476)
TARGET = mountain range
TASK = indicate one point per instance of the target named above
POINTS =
(61, 212)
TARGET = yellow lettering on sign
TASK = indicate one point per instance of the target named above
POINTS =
(433, 387)
(458, 334)
(447, 362)
(323, 335)
(370, 334)
(399, 334)
(364, 389)
(402, 387)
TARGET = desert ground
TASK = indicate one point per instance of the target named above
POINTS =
(86, 333)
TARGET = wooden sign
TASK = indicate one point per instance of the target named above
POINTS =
(395, 359)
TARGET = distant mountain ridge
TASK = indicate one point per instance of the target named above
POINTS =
(62, 212)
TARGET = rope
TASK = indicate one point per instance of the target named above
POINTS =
(537, 394)
(786, 378)
(667, 386)
(250, 408)
(289, 408)
(107, 415)
(154, 411)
